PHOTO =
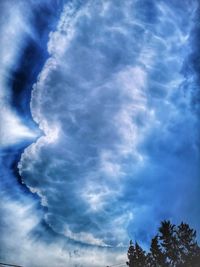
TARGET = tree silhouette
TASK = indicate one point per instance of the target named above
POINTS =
(136, 255)
(169, 243)
(156, 256)
(173, 246)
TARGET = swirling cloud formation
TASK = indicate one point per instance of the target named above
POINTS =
(114, 101)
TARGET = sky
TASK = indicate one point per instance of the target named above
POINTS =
(99, 127)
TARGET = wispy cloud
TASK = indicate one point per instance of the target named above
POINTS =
(30, 244)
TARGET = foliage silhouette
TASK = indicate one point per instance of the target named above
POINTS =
(173, 246)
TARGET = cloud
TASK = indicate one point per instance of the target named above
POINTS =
(119, 134)
(13, 130)
(30, 244)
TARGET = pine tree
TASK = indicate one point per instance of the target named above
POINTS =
(169, 242)
(188, 247)
(157, 257)
(140, 257)
(136, 255)
(130, 254)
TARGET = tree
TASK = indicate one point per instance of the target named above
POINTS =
(173, 246)
(156, 256)
(169, 243)
(130, 254)
(188, 247)
(136, 255)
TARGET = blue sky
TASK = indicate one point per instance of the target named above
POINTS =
(99, 126)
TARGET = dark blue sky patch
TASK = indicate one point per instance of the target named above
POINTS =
(33, 56)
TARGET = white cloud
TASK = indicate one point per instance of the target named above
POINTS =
(12, 130)
(107, 101)
(83, 237)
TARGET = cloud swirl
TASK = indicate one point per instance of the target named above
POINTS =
(120, 136)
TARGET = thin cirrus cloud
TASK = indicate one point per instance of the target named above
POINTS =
(120, 140)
